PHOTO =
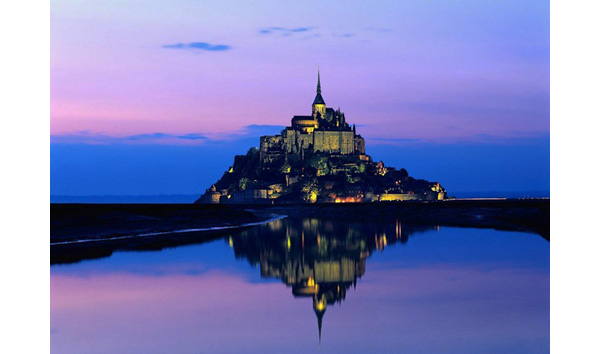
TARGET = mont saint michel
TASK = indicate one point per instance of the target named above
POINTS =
(319, 158)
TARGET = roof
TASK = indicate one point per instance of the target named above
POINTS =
(319, 99)
(302, 117)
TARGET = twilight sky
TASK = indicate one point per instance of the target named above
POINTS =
(154, 97)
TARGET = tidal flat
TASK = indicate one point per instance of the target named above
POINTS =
(83, 231)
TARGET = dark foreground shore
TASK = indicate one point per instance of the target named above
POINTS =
(84, 231)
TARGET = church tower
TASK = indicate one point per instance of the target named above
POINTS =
(318, 106)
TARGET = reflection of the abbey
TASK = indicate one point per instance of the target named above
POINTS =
(317, 258)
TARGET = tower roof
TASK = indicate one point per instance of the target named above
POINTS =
(318, 98)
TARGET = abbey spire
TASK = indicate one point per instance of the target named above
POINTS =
(318, 105)
(318, 80)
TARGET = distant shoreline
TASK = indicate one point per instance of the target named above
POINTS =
(190, 198)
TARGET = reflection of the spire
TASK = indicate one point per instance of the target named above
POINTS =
(318, 259)
(319, 305)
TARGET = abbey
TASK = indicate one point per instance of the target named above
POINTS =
(319, 158)
(326, 130)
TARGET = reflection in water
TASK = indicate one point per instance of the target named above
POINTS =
(319, 259)
(451, 290)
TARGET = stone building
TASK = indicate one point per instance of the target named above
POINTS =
(318, 158)
(325, 130)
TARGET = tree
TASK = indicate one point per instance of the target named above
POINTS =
(310, 191)
(243, 183)
(285, 168)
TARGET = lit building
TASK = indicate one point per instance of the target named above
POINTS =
(325, 130)
(319, 158)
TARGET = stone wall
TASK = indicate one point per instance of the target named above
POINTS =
(339, 142)
(396, 197)
(359, 144)
(294, 141)
(273, 148)
(250, 196)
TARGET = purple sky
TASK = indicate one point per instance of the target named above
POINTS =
(200, 73)
(427, 70)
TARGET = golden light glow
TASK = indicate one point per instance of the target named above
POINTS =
(310, 282)
(348, 200)
(230, 242)
(321, 304)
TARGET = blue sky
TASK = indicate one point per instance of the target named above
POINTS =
(518, 166)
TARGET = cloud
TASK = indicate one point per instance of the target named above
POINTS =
(284, 31)
(377, 29)
(392, 141)
(87, 137)
(249, 132)
(192, 136)
(309, 33)
(198, 46)
(311, 36)
(344, 35)
(262, 129)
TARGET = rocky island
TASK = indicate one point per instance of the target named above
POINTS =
(317, 166)
(319, 158)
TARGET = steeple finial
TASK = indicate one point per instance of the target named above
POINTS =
(318, 97)
(318, 79)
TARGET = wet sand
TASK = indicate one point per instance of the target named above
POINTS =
(82, 231)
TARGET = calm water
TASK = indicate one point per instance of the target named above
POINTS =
(312, 285)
